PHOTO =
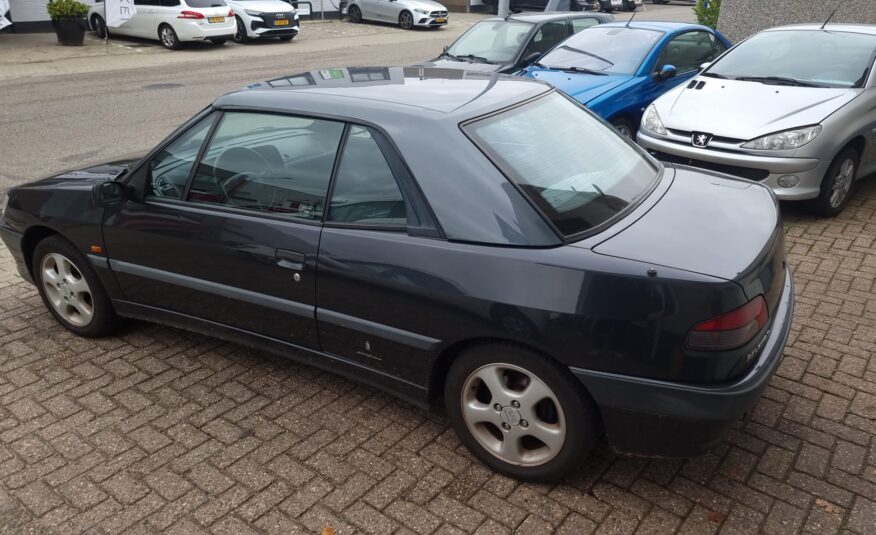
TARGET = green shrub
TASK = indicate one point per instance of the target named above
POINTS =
(707, 12)
(66, 9)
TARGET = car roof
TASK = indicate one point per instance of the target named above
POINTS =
(662, 26)
(536, 17)
(368, 92)
(836, 27)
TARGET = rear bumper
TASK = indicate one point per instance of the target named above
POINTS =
(664, 419)
(765, 169)
(200, 30)
(12, 240)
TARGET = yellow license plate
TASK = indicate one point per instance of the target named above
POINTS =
(440, 19)
(281, 22)
(216, 19)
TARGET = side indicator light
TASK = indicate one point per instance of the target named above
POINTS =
(96, 249)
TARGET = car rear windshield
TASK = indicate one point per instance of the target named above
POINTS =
(205, 3)
(610, 50)
(577, 170)
(496, 41)
(823, 58)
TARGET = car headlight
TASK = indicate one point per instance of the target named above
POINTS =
(652, 123)
(252, 13)
(789, 139)
(422, 11)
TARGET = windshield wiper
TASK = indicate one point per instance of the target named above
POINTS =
(477, 59)
(581, 70)
(777, 80)
(600, 58)
(451, 56)
(714, 75)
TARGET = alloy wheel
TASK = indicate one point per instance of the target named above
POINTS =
(842, 182)
(240, 31)
(406, 21)
(513, 414)
(167, 37)
(624, 130)
(67, 290)
(355, 15)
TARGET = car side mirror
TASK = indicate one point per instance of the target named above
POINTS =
(109, 193)
(666, 72)
(704, 66)
(530, 58)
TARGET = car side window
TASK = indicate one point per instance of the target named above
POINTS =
(581, 23)
(269, 163)
(169, 170)
(145, 2)
(170, 3)
(548, 36)
(690, 50)
(365, 190)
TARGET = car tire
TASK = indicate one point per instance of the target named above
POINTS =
(71, 290)
(838, 183)
(629, 6)
(240, 35)
(624, 128)
(406, 20)
(167, 36)
(550, 405)
(219, 42)
(99, 26)
(355, 14)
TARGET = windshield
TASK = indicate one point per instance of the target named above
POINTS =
(610, 50)
(814, 57)
(577, 184)
(495, 41)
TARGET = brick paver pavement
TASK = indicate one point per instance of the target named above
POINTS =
(160, 431)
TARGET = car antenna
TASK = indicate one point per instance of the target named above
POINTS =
(627, 25)
(832, 13)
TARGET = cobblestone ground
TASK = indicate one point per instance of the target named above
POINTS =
(160, 431)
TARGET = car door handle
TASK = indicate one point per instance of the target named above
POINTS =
(290, 259)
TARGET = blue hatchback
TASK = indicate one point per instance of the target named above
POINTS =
(617, 69)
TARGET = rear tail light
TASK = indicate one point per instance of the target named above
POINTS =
(731, 330)
(190, 15)
(230, 13)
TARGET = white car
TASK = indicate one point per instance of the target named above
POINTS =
(172, 21)
(264, 18)
(405, 13)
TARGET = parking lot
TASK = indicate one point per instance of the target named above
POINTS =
(157, 430)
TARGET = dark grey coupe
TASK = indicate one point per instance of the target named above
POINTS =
(444, 236)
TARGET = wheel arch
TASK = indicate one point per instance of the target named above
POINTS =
(449, 354)
(859, 143)
(32, 236)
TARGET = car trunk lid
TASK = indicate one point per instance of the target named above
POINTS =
(712, 225)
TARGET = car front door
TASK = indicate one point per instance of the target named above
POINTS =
(232, 239)
(387, 10)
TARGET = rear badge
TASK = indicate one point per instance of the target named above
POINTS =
(700, 139)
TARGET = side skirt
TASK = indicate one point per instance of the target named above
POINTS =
(407, 391)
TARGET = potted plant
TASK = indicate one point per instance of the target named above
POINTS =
(68, 18)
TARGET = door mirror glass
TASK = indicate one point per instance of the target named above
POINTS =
(108, 193)
(666, 72)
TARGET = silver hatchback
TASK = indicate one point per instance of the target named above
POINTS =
(406, 13)
(792, 107)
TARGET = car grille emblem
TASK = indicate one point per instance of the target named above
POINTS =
(701, 140)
